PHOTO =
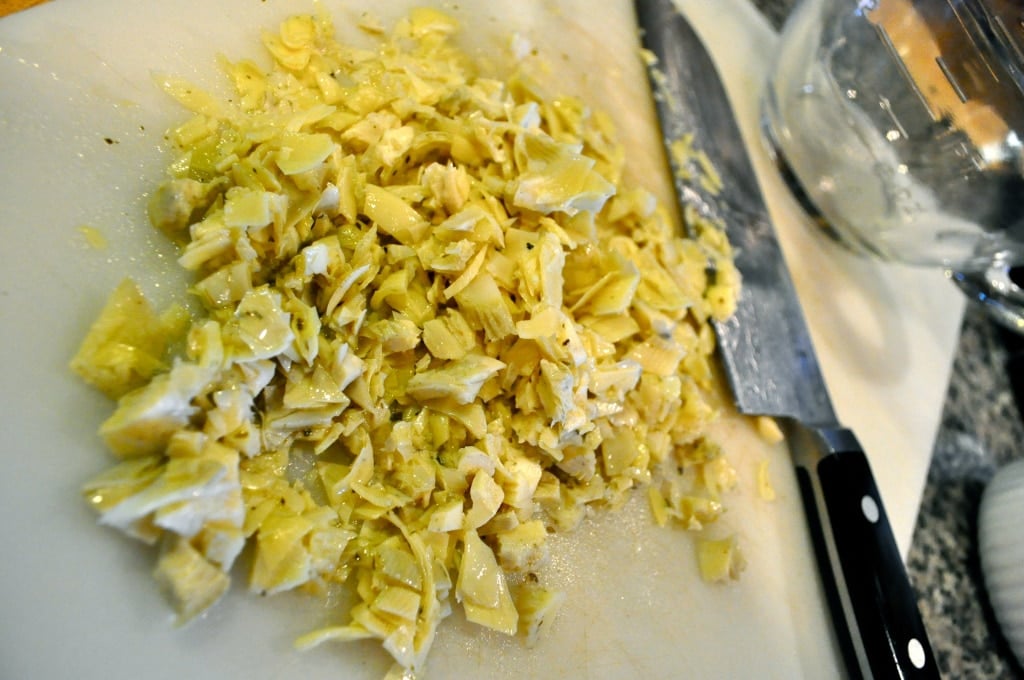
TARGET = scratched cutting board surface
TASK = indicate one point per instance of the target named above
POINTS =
(80, 144)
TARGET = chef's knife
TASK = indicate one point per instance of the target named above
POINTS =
(771, 367)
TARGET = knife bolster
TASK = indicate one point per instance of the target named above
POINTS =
(810, 445)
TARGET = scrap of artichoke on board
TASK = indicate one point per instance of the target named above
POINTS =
(435, 327)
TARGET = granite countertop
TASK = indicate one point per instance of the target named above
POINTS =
(981, 430)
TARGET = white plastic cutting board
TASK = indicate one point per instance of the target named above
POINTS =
(80, 131)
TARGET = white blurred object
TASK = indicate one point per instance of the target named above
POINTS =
(1001, 545)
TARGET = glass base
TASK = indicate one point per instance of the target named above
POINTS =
(996, 289)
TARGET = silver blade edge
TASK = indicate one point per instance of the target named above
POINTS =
(765, 346)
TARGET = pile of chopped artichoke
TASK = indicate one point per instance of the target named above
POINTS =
(436, 328)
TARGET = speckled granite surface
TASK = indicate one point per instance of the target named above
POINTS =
(981, 430)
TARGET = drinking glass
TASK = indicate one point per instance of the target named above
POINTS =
(899, 125)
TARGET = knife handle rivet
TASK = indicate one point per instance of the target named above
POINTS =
(916, 652)
(869, 507)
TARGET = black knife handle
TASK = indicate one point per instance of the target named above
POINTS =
(863, 574)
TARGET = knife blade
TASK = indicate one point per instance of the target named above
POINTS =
(770, 364)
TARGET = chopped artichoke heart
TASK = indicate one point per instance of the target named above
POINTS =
(181, 481)
(190, 581)
(393, 215)
(720, 560)
(434, 325)
(244, 207)
(485, 306)
(524, 548)
(303, 152)
(482, 588)
(125, 346)
(768, 429)
(537, 608)
(262, 329)
(125, 479)
(449, 336)
(460, 380)
(147, 417)
(569, 185)
(447, 517)
(399, 602)
(486, 496)
(520, 478)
